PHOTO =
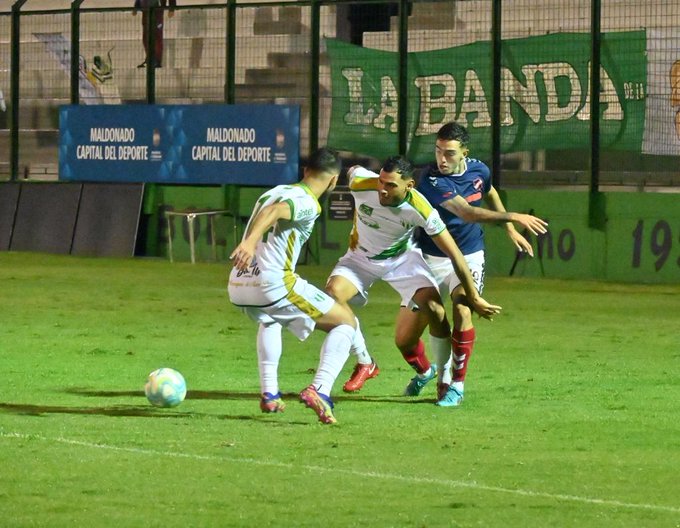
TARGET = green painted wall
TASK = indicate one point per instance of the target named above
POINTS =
(330, 237)
(160, 198)
(639, 240)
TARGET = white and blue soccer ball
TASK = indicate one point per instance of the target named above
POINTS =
(165, 387)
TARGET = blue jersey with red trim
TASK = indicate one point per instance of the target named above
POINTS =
(472, 184)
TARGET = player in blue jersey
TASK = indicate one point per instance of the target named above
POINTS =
(456, 185)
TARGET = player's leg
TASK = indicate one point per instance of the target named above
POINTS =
(343, 291)
(443, 272)
(424, 309)
(463, 335)
(269, 350)
(349, 282)
(145, 36)
(319, 310)
(411, 277)
(158, 39)
(339, 323)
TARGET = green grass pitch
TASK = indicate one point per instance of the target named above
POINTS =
(570, 417)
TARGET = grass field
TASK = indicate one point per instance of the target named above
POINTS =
(570, 419)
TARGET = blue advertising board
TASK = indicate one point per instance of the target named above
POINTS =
(205, 144)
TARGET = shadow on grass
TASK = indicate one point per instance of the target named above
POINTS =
(191, 395)
(237, 395)
(120, 410)
(127, 411)
(403, 400)
(147, 411)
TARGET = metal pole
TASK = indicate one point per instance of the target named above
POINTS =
(75, 51)
(595, 61)
(151, 55)
(402, 107)
(15, 65)
(230, 67)
(314, 76)
(496, 30)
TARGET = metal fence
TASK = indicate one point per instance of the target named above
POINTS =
(375, 77)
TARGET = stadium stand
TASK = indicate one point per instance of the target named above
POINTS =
(273, 61)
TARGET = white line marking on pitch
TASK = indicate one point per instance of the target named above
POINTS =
(368, 474)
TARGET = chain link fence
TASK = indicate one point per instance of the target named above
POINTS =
(364, 72)
(5, 50)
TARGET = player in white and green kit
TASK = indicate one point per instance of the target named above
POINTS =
(388, 209)
(263, 283)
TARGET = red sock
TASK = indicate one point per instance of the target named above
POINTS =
(462, 342)
(417, 358)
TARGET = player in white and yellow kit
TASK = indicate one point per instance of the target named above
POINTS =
(387, 210)
(263, 283)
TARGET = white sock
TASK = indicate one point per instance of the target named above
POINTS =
(441, 348)
(268, 356)
(458, 385)
(334, 353)
(359, 348)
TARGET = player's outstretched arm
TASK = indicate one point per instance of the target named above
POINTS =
(458, 206)
(263, 221)
(446, 243)
(535, 225)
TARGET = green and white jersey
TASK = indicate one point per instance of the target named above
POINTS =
(383, 231)
(271, 276)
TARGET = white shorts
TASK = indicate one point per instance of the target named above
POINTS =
(446, 277)
(406, 273)
(297, 311)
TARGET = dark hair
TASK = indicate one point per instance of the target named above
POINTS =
(453, 131)
(324, 160)
(400, 165)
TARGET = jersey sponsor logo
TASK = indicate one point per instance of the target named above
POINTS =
(447, 194)
(473, 197)
(366, 209)
(368, 222)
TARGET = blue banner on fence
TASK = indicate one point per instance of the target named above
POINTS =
(208, 144)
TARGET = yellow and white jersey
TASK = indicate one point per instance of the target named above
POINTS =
(271, 276)
(380, 231)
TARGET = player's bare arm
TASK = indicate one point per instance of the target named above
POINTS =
(446, 243)
(458, 206)
(266, 218)
(530, 222)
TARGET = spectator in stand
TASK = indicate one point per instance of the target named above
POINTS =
(158, 7)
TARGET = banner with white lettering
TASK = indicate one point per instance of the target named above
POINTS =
(206, 144)
(544, 95)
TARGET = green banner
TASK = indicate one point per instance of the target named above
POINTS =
(544, 95)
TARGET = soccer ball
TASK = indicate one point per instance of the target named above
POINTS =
(165, 387)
